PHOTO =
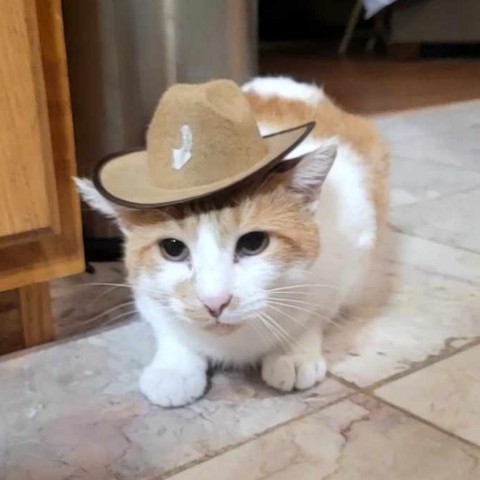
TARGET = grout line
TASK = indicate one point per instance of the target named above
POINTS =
(228, 448)
(425, 422)
(401, 230)
(347, 383)
(446, 353)
(432, 273)
(348, 396)
(446, 195)
(406, 158)
(369, 392)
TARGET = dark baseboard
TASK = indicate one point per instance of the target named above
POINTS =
(450, 50)
(426, 51)
(103, 249)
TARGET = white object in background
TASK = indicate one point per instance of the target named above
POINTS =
(374, 6)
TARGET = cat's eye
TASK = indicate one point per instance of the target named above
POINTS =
(252, 243)
(173, 249)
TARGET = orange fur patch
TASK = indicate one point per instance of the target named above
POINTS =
(360, 133)
(271, 207)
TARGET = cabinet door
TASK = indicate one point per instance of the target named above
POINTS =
(40, 231)
(27, 183)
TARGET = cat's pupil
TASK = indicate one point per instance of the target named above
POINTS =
(252, 243)
(173, 249)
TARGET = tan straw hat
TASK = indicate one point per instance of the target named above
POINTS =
(202, 139)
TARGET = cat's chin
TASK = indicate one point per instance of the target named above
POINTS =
(222, 329)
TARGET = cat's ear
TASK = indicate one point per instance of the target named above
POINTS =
(98, 202)
(306, 174)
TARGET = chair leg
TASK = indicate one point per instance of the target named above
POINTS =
(352, 23)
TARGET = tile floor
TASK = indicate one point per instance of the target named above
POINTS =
(402, 401)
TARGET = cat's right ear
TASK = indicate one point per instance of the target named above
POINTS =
(306, 174)
(98, 202)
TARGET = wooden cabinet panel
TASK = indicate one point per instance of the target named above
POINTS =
(27, 183)
(60, 254)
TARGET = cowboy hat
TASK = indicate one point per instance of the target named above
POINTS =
(203, 138)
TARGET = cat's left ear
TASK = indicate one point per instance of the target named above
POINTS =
(306, 174)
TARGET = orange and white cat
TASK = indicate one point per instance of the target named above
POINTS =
(252, 278)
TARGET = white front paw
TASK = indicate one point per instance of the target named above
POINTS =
(288, 371)
(172, 388)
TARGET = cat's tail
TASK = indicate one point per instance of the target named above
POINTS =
(285, 88)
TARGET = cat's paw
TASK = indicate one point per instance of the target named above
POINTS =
(172, 388)
(293, 371)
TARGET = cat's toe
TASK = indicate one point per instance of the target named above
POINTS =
(309, 372)
(291, 371)
(172, 388)
(279, 372)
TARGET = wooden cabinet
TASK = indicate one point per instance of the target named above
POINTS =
(40, 228)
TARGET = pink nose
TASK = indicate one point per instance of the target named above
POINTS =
(216, 304)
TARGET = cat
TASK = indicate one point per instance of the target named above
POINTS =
(252, 278)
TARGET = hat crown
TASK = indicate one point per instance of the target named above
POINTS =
(202, 139)
(201, 134)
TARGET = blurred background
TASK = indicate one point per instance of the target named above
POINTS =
(371, 56)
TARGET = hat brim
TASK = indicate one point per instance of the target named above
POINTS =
(124, 179)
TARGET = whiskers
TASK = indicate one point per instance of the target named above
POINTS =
(292, 288)
(282, 297)
(272, 333)
(115, 286)
(103, 319)
(285, 306)
(114, 314)
(287, 310)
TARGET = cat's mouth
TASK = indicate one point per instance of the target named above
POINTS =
(227, 323)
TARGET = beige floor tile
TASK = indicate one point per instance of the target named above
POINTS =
(452, 220)
(74, 411)
(435, 300)
(458, 148)
(352, 440)
(446, 393)
(414, 181)
(434, 121)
